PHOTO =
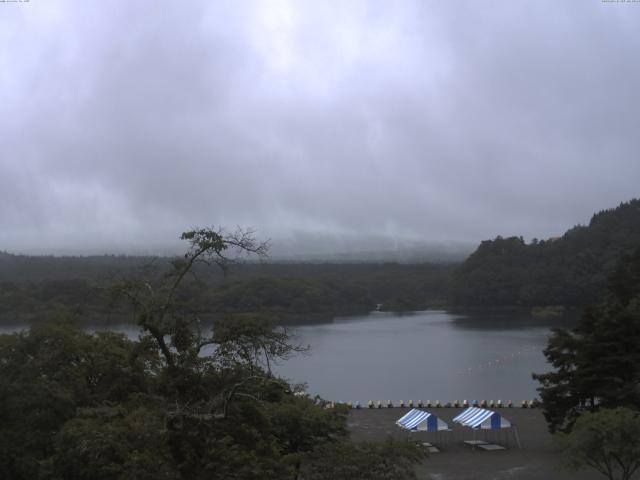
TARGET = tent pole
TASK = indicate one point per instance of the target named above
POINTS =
(515, 431)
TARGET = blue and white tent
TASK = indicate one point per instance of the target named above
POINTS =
(419, 420)
(482, 418)
(486, 420)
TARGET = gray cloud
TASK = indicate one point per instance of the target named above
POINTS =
(124, 123)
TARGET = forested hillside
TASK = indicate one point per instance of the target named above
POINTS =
(571, 270)
(31, 287)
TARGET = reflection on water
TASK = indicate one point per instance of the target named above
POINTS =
(432, 355)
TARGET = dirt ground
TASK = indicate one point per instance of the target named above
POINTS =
(456, 461)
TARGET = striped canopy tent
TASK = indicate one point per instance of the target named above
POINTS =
(419, 420)
(482, 418)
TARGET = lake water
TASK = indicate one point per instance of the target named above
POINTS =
(431, 355)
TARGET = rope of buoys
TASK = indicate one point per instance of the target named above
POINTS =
(437, 404)
(493, 363)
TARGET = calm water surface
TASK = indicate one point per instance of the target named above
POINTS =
(432, 355)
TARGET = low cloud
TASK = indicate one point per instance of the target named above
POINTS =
(125, 123)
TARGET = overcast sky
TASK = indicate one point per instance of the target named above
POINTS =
(123, 123)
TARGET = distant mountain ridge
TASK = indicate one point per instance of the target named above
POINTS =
(571, 270)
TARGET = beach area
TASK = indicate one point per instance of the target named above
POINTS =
(537, 458)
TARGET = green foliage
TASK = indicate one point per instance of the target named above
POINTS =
(178, 403)
(124, 442)
(570, 271)
(289, 296)
(390, 460)
(291, 292)
(607, 441)
(99, 406)
(597, 364)
(46, 375)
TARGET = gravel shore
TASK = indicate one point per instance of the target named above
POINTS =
(456, 461)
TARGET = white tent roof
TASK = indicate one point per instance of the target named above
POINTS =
(421, 420)
(475, 417)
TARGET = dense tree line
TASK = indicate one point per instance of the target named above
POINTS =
(591, 398)
(27, 268)
(290, 292)
(571, 270)
(597, 364)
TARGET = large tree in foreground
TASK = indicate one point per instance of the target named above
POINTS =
(160, 311)
(597, 364)
(181, 402)
(607, 441)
